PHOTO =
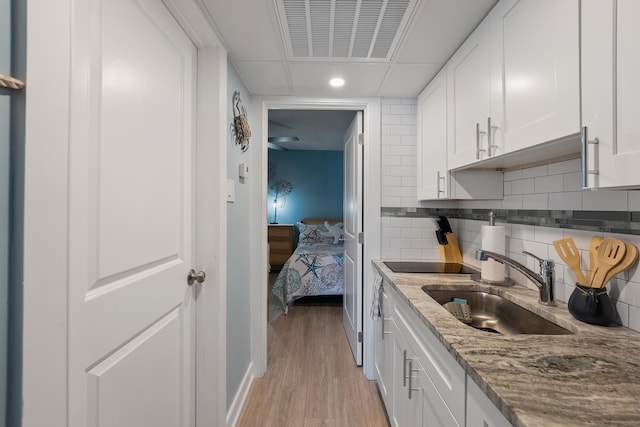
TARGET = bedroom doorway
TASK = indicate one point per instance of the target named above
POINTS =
(370, 108)
(305, 189)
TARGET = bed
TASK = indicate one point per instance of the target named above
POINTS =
(316, 267)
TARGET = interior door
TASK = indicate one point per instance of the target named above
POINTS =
(131, 217)
(352, 299)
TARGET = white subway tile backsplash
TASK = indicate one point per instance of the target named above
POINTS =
(549, 184)
(572, 181)
(513, 175)
(535, 171)
(507, 188)
(567, 166)
(623, 312)
(512, 202)
(523, 232)
(523, 186)
(535, 201)
(634, 318)
(571, 201)
(391, 161)
(604, 200)
(634, 200)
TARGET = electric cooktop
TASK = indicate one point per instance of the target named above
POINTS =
(428, 267)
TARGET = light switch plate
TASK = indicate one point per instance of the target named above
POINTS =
(243, 170)
(231, 190)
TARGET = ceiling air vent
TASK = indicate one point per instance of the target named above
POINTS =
(343, 29)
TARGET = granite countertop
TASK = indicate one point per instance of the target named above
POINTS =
(590, 378)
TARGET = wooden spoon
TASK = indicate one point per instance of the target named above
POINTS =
(610, 253)
(569, 253)
(593, 257)
(630, 257)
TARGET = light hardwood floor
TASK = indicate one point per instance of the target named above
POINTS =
(312, 379)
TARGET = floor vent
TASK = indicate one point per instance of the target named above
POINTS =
(343, 29)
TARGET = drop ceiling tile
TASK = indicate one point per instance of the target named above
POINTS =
(263, 78)
(362, 79)
(247, 28)
(440, 27)
(408, 80)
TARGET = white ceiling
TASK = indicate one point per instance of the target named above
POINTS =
(255, 38)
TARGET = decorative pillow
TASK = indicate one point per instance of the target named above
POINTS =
(313, 234)
(335, 230)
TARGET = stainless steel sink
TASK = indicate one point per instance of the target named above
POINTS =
(493, 313)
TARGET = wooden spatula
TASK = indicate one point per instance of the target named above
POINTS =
(570, 254)
(593, 257)
(630, 257)
(610, 253)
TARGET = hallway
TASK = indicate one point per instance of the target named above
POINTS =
(311, 378)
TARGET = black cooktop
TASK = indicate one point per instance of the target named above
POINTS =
(428, 267)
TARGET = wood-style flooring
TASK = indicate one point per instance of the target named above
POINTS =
(312, 379)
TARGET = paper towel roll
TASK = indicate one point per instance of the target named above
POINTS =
(493, 239)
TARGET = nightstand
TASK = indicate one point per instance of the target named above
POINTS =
(280, 243)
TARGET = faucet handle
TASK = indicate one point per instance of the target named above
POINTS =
(544, 263)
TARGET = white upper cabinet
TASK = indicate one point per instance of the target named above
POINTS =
(433, 179)
(610, 92)
(515, 82)
(469, 106)
(535, 89)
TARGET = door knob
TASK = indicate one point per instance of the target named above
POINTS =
(199, 277)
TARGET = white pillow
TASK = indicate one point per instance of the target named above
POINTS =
(336, 230)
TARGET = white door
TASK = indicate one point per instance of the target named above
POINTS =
(352, 299)
(131, 217)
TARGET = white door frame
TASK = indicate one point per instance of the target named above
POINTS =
(45, 274)
(371, 247)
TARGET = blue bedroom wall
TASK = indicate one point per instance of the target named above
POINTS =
(317, 180)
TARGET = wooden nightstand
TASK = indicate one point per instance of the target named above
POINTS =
(280, 243)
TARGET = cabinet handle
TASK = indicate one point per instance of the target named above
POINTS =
(411, 371)
(490, 137)
(384, 319)
(478, 149)
(439, 190)
(404, 368)
(585, 163)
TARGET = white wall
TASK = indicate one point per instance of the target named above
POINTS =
(238, 252)
(555, 186)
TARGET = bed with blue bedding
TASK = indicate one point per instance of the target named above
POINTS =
(316, 267)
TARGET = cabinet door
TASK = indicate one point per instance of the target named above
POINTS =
(407, 386)
(610, 90)
(468, 99)
(433, 180)
(535, 93)
(384, 351)
(481, 412)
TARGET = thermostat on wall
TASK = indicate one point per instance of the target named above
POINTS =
(243, 170)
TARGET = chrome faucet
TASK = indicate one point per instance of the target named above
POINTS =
(544, 281)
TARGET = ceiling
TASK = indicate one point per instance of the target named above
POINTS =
(316, 129)
(386, 48)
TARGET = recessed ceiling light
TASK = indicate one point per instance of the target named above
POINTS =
(336, 82)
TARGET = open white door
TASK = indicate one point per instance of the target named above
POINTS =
(352, 299)
(129, 240)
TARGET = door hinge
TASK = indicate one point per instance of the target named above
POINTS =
(361, 238)
(361, 138)
(360, 336)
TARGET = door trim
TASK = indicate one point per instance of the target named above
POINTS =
(371, 247)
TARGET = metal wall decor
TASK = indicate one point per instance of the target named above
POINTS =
(240, 128)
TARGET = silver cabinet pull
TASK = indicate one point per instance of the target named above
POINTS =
(490, 138)
(404, 368)
(193, 277)
(411, 371)
(440, 178)
(478, 149)
(585, 163)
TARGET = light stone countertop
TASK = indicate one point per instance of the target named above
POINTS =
(590, 378)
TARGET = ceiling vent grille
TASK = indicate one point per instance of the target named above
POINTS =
(343, 29)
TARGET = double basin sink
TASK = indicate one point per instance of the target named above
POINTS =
(489, 312)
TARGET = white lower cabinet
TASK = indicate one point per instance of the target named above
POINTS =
(420, 382)
(481, 412)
